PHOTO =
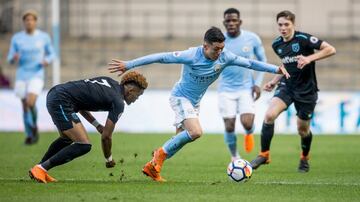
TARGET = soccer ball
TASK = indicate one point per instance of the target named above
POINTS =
(239, 170)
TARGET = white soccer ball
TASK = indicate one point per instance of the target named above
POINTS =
(239, 170)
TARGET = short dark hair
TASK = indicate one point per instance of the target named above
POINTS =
(135, 78)
(214, 34)
(232, 10)
(286, 14)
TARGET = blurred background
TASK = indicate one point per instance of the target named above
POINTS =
(92, 32)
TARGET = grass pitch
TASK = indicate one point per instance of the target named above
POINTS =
(197, 173)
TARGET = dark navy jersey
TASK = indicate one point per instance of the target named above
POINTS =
(96, 94)
(302, 84)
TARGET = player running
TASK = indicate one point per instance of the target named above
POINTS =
(296, 51)
(202, 65)
(97, 94)
(31, 50)
(238, 90)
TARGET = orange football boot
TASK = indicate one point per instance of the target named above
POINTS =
(38, 174)
(48, 178)
(153, 168)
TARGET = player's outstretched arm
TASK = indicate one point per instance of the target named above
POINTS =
(119, 66)
(91, 119)
(269, 86)
(326, 50)
(106, 143)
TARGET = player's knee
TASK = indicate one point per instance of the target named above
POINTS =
(195, 133)
(303, 131)
(270, 117)
(247, 125)
(230, 128)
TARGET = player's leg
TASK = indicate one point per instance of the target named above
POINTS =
(304, 115)
(186, 118)
(20, 91)
(246, 106)
(56, 146)
(35, 87)
(275, 108)
(228, 109)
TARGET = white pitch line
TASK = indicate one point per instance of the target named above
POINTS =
(262, 183)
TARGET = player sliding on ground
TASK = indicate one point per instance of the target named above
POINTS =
(202, 65)
(97, 94)
(296, 50)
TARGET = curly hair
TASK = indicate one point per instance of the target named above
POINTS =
(136, 78)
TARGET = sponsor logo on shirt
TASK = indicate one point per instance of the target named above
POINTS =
(287, 59)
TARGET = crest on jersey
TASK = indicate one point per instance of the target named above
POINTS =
(314, 39)
(295, 47)
(279, 50)
(246, 49)
(217, 67)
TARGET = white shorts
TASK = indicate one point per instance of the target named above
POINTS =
(34, 85)
(233, 103)
(183, 110)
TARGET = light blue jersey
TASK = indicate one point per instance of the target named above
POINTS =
(247, 45)
(198, 72)
(33, 50)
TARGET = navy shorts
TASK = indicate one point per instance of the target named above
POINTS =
(304, 110)
(61, 109)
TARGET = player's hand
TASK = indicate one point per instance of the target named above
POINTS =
(44, 63)
(302, 61)
(16, 58)
(117, 66)
(110, 164)
(256, 92)
(269, 86)
(100, 128)
(282, 70)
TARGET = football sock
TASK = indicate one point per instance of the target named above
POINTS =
(28, 129)
(67, 154)
(230, 141)
(248, 132)
(267, 133)
(34, 114)
(176, 143)
(55, 147)
(306, 144)
(29, 118)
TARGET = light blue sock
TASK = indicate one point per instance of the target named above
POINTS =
(28, 129)
(230, 141)
(29, 118)
(176, 143)
(248, 132)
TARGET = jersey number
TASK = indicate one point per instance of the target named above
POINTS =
(102, 82)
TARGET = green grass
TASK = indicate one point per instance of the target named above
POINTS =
(197, 173)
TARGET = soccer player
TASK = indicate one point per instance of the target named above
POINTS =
(202, 65)
(238, 90)
(296, 51)
(97, 94)
(31, 50)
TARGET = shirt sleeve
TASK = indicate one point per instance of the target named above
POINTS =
(49, 50)
(251, 64)
(116, 111)
(312, 42)
(260, 55)
(12, 50)
(179, 57)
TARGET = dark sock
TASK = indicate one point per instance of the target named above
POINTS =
(306, 144)
(267, 132)
(55, 147)
(67, 154)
